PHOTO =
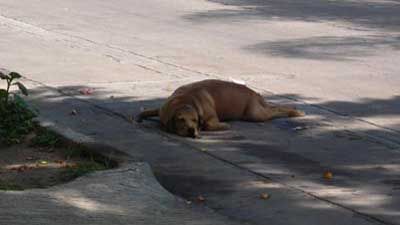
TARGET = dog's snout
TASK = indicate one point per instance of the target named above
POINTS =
(193, 133)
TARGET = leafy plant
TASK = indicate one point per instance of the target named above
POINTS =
(10, 186)
(15, 115)
(45, 138)
(10, 79)
(83, 168)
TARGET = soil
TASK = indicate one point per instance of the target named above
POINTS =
(25, 166)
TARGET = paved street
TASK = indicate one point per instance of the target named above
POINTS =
(336, 60)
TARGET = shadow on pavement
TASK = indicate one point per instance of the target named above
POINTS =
(292, 152)
(383, 15)
(327, 47)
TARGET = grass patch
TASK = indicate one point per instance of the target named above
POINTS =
(83, 168)
(15, 122)
(15, 114)
(9, 186)
(45, 138)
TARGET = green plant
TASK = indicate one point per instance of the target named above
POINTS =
(15, 115)
(10, 186)
(45, 138)
(10, 80)
(83, 168)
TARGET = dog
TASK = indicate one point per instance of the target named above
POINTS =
(207, 104)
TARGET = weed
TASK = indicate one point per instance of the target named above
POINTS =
(45, 138)
(9, 186)
(83, 168)
(15, 115)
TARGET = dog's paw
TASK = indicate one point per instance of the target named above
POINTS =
(296, 113)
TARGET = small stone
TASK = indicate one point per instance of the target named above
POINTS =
(74, 112)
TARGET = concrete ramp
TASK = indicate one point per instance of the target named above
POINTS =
(129, 195)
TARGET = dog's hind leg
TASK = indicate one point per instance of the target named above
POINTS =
(147, 113)
(259, 111)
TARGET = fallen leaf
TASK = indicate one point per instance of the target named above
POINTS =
(22, 168)
(86, 91)
(72, 165)
(328, 175)
(264, 196)
(200, 198)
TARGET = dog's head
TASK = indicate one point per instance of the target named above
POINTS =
(185, 122)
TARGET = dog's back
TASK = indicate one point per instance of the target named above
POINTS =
(230, 98)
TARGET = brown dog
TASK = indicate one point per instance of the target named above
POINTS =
(203, 105)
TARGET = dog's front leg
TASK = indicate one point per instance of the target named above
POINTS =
(215, 125)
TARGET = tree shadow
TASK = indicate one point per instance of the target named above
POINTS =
(327, 47)
(376, 15)
(383, 15)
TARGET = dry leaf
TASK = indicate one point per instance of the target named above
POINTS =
(86, 91)
(200, 198)
(264, 196)
(328, 175)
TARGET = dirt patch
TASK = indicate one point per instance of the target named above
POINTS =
(45, 159)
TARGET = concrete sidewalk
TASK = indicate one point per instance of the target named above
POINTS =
(337, 62)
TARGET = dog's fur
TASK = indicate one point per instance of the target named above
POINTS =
(203, 105)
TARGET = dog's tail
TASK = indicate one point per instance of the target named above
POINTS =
(147, 113)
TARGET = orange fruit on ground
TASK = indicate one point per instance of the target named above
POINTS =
(328, 175)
